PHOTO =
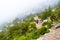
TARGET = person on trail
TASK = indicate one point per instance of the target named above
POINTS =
(37, 21)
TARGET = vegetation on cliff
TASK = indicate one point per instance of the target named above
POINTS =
(26, 29)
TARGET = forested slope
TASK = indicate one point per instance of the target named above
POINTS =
(26, 29)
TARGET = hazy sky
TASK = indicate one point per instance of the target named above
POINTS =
(9, 9)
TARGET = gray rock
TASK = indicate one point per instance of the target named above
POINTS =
(57, 25)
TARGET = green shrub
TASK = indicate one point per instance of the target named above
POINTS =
(40, 32)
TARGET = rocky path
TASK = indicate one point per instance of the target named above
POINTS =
(53, 35)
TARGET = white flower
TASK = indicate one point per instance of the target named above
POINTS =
(50, 30)
(12, 25)
(18, 22)
(0, 30)
(6, 25)
(53, 10)
(44, 21)
(37, 39)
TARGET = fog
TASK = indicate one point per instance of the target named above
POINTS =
(10, 9)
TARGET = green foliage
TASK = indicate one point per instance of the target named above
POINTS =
(48, 24)
(23, 37)
(26, 28)
(33, 35)
(3, 36)
(40, 32)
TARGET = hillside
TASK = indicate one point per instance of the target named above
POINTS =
(26, 29)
